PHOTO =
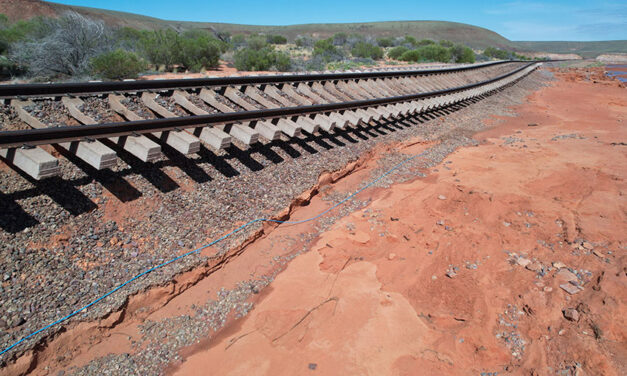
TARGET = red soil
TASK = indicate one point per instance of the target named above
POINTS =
(372, 296)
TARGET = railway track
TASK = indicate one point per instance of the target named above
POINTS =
(93, 120)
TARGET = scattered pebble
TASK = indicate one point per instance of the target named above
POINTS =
(571, 314)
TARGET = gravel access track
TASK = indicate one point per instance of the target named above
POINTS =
(64, 242)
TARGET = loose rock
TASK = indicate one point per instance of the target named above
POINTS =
(571, 314)
(571, 289)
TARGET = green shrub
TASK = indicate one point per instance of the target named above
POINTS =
(200, 52)
(16, 32)
(256, 42)
(410, 55)
(193, 49)
(323, 46)
(304, 41)
(276, 39)
(363, 49)
(431, 52)
(396, 52)
(238, 40)
(424, 42)
(434, 52)
(410, 40)
(462, 54)
(118, 64)
(385, 42)
(161, 47)
(282, 61)
(9, 68)
(446, 43)
(249, 59)
(495, 53)
(325, 49)
(340, 39)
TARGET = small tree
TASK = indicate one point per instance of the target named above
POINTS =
(238, 40)
(411, 55)
(264, 59)
(434, 52)
(304, 41)
(276, 39)
(117, 65)
(282, 62)
(396, 52)
(161, 46)
(409, 40)
(385, 42)
(339, 39)
(462, 54)
(367, 50)
(446, 43)
(128, 38)
(424, 42)
(200, 52)
(256, 42)
(495, 53)
(325, 49)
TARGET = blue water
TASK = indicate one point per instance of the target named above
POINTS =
(615, 74)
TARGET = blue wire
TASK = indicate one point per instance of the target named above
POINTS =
(397, 166)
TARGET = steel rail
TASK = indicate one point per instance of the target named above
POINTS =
(93, 88)
(44, 136)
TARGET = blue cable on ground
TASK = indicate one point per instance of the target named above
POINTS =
(396, 167)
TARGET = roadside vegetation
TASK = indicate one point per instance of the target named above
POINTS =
(75, 47)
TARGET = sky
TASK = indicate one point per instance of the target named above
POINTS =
(515, 20)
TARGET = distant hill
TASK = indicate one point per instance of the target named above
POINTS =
(473, 36)
(583, 49)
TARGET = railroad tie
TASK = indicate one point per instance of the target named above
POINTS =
(288, 126)
(289, 90)
(180, 141)
(139, 146)
(275, 94)
(331, 88)
(212, 136)
(239, 131)
(322, 92)
(378, 87)
(255, 95)
(94, 153)
(35, 162)
(353, 89)
(391, 88)
(306, 90)
(267, 129)
(325, 122)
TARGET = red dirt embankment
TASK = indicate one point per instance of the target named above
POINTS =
(508, 258)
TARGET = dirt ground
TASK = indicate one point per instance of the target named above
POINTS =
(509, 258)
